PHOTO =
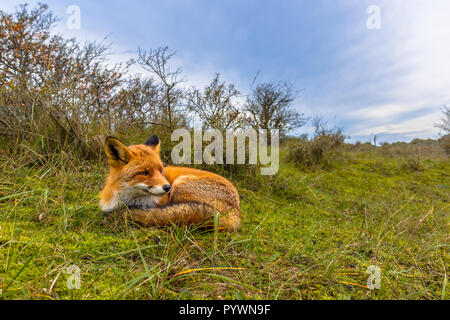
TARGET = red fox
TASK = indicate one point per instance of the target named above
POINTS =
(158, 196)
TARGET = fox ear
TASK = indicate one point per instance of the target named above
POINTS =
(116, 150)
(153, 142)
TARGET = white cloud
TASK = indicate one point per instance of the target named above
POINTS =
(410, 128)
(389, 74)
(380, 112)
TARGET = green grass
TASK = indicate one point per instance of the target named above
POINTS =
(304, 235)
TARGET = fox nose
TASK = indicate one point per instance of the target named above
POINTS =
(166, 187)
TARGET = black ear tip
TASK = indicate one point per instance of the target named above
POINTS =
(152, 141)
(109, 139)
(112, 139)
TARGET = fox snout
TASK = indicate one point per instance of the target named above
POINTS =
(158, 190)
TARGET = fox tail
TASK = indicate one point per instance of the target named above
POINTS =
(186, 214)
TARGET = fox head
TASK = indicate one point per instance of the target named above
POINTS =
(136, 175)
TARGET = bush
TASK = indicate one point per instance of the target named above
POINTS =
(445, 144)
(412, 163)
(57, 95)
(320, 152)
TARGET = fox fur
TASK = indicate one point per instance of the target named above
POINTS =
(160, 196)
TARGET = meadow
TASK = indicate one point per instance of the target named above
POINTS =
(314, 230)
(306, 234)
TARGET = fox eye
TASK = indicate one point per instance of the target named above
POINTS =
(143, 173)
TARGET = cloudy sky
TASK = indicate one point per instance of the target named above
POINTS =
(391, 82)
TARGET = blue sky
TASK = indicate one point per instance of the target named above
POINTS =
(392, 82)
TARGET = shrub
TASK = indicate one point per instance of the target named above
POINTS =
(445, 143)
(57, 95)
(320, 152)
(412, 163)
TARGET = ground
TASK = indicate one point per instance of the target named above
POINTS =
(304, 235)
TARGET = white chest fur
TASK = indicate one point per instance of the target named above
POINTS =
(129, 199)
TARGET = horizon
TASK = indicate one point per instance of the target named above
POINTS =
(390, 81)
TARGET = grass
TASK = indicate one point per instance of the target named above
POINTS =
(305, 235)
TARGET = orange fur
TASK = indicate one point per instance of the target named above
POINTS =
(195, 195)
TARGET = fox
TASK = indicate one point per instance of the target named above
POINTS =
(158, 196)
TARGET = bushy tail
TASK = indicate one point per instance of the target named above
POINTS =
(183, 214)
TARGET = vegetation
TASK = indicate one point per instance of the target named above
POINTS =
(444, 125)
(57, 95)
(309, 232)
(322, 151)
(305, 235)
(445, 122)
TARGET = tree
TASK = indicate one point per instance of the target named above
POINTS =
(53, 90)
(215, 106)
(269, 106)
(156, 62)
(445, 122)
(137, 102)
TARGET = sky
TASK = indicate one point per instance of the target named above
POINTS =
(391, 81)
